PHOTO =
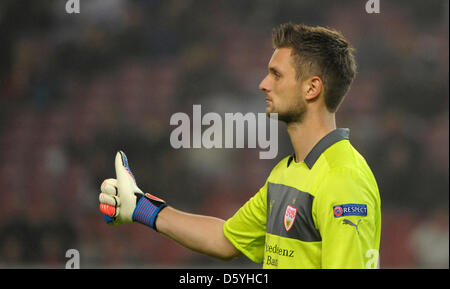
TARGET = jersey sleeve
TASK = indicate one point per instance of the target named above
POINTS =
(347, 213)
(246, 229)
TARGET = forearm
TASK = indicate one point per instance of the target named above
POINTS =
(199, 233)
(122, 202)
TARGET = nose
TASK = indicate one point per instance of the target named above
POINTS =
(264, 85)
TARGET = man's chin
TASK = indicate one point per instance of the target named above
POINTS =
(269, 112)
(270, 109)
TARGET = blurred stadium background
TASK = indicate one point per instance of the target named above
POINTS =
(76, 88)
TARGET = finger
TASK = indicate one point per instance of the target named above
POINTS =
(109, 200)
(109, 210)
(110, 181)
(123, 172)
(109, 187)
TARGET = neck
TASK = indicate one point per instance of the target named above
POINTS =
(307, 133)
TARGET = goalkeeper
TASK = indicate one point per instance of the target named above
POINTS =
(319, 207)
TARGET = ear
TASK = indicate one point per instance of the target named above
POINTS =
(313, 88)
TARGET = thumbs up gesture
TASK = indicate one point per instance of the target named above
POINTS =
(121, 200)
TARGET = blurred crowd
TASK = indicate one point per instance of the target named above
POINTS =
(75, 88)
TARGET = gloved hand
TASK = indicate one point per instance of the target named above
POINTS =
(122, 202)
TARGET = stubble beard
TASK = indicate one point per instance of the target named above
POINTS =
(294, 114)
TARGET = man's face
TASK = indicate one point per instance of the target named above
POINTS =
(282, 88)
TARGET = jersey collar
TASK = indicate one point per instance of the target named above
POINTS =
(327, 141)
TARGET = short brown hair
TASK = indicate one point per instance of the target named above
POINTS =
(319, 51)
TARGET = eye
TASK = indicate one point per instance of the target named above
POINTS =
(276, 75)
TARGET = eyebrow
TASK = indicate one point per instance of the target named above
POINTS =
(273, 69)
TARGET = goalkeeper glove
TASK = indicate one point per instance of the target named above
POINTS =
(122, 202)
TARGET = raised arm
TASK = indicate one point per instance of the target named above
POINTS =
(122, 202)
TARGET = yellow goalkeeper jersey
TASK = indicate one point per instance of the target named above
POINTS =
(323, 212)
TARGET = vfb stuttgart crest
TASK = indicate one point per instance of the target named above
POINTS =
(289, 217)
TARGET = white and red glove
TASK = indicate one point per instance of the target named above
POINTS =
(122, 202)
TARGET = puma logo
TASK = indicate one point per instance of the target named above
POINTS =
(348, 222)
